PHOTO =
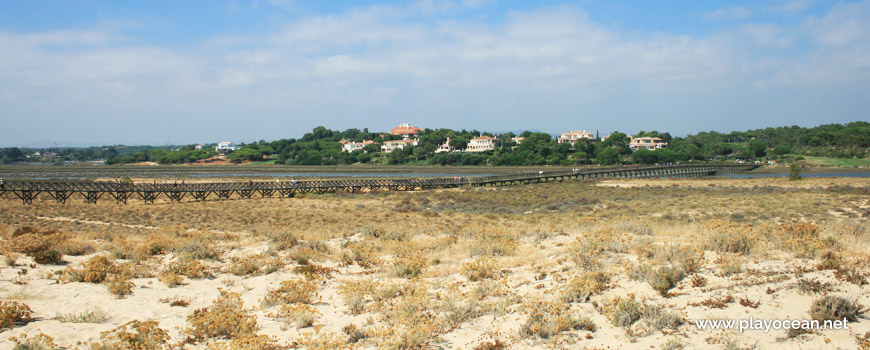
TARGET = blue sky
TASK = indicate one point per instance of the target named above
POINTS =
(118, 72)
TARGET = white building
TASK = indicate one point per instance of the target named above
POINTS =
(390, 146)
(444, 147)
(650, 143)
(348, 146)
(574, 136)
(225, 147)
(518, 139)
(480, 144)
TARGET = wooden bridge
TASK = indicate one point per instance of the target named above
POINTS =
(61, 191)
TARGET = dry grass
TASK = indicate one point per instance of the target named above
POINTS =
(544, 264)
(93, 315)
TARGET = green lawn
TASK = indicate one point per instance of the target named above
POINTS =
(845, 162)
(265, 162)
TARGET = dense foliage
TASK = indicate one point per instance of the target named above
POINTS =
(321, 147)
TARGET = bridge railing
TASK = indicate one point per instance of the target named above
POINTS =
(29, 188)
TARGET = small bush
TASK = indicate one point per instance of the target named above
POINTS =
(249, 342)
(354, 333)
(835, 308)
(662, 278)
(298, 314)
(640, 319)
(120, 286)
(50, 256)
(801, 238)
(360, 254)
(654, 319)
(39, 342)
(732, 239)
(830, 261)
(580, 289)
(492, 345)
(254, 265)
(176, 301)
(479, 269)
(794, 172)
(314, 271)
(409, 267)
(191, 268)
(283, 240)
(547, 319)
(13, 312)
(291, 292)
(41, 245)
(355, 294)
(170, 279)
(623, 312)
(226, 317)
(94, 315)
(95, 270)
(455, 311)
(806, 286)
(133, 335)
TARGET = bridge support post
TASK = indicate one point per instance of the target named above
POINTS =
(92, 196)
(60, 195)
(26, 196)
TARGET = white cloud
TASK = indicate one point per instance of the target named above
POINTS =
(429, 7)
(735, 12)
(377, 62)
(791, 7)
(767, 35)
(845, 24)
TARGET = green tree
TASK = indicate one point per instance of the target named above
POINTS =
(608, 156)
(794, 172)
(644, 156)
(619, 141)
(756, 148)
(781, 150)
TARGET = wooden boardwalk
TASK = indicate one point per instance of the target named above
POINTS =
(61, 191)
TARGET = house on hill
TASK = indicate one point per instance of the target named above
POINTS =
(348, 146)
(480, 144)
(225, 147)
(390, 146)
(650, 143)
(406, 131)
(574, 136)
(444, 147)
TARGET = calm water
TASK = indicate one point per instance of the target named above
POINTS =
(843, 174)
(260, 176)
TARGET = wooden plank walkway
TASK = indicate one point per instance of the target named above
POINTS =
(61, 191)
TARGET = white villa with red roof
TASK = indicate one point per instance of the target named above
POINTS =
(406, 131)
(348, 146)
(480, 144)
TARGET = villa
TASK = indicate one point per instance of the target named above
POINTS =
(348, 146)
(406, 131)
(650, 143)
(480, 144)
(574, 136)
(390, 146)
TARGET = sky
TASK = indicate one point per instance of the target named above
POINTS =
(77, 73)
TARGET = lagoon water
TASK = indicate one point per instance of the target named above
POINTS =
(838, 174)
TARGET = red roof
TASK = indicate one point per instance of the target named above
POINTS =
(484, 138)
(405, 130)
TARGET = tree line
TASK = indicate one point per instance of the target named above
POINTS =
(321, 147)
